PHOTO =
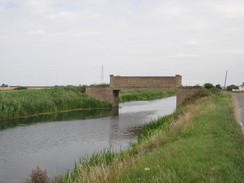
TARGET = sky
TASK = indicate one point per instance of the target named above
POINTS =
(66, 42)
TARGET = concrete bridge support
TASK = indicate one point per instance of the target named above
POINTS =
(106, 94)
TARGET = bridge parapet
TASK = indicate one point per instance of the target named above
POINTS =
(145, 83)
(167, 88)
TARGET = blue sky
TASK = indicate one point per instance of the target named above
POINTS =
(9, 5)
(60, 42)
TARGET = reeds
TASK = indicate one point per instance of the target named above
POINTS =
(15, 104)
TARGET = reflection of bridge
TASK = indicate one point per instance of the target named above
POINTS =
(117, 83)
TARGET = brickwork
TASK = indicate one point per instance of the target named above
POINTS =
(106, 94)
(145, 83)
(183, 93)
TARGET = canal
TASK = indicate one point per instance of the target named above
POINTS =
(54, 142)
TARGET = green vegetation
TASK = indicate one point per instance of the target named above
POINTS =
(31, 102)
(133, 95)
(21, 88)
(200, 142)
(103, 85)
(218, 87)
(208, 86)
(207, 147)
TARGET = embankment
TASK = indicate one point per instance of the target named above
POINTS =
(200, 142)
(20, 103)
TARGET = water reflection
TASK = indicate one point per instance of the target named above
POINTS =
(60, 116)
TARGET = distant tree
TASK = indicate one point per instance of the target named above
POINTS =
(4, 85)
(218, 86)
(229, 88)
(197, 86)
(233, 86)
(208, 85)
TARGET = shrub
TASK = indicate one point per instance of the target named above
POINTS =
(38, 176)
(208, 86)
(229, 88)
(21, 88)
(218, 86)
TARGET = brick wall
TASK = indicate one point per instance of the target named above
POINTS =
(183, 93)
(104, 94)
(153, 83)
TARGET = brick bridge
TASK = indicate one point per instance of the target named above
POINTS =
(117, 83)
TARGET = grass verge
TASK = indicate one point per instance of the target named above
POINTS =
(31, 102)
(200, 142)
(134, 95)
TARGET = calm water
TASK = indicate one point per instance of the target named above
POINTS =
(54, 142)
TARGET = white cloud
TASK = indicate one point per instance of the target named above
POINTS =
(89, 33)
(74, 35)
(192, 43)
(63, 16)
(236, 29)
(237, 51)
(38, 7)
(36, 32)
(233, 9)
(183, 55)
(140, 52)
(168, 10)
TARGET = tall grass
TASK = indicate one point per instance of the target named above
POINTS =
(30, 102)
(200, 142)
(133, 95)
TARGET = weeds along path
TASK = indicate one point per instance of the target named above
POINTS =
(200, 142)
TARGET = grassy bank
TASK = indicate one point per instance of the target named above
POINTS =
(134, 95)
(200, 142)
(30, 102)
